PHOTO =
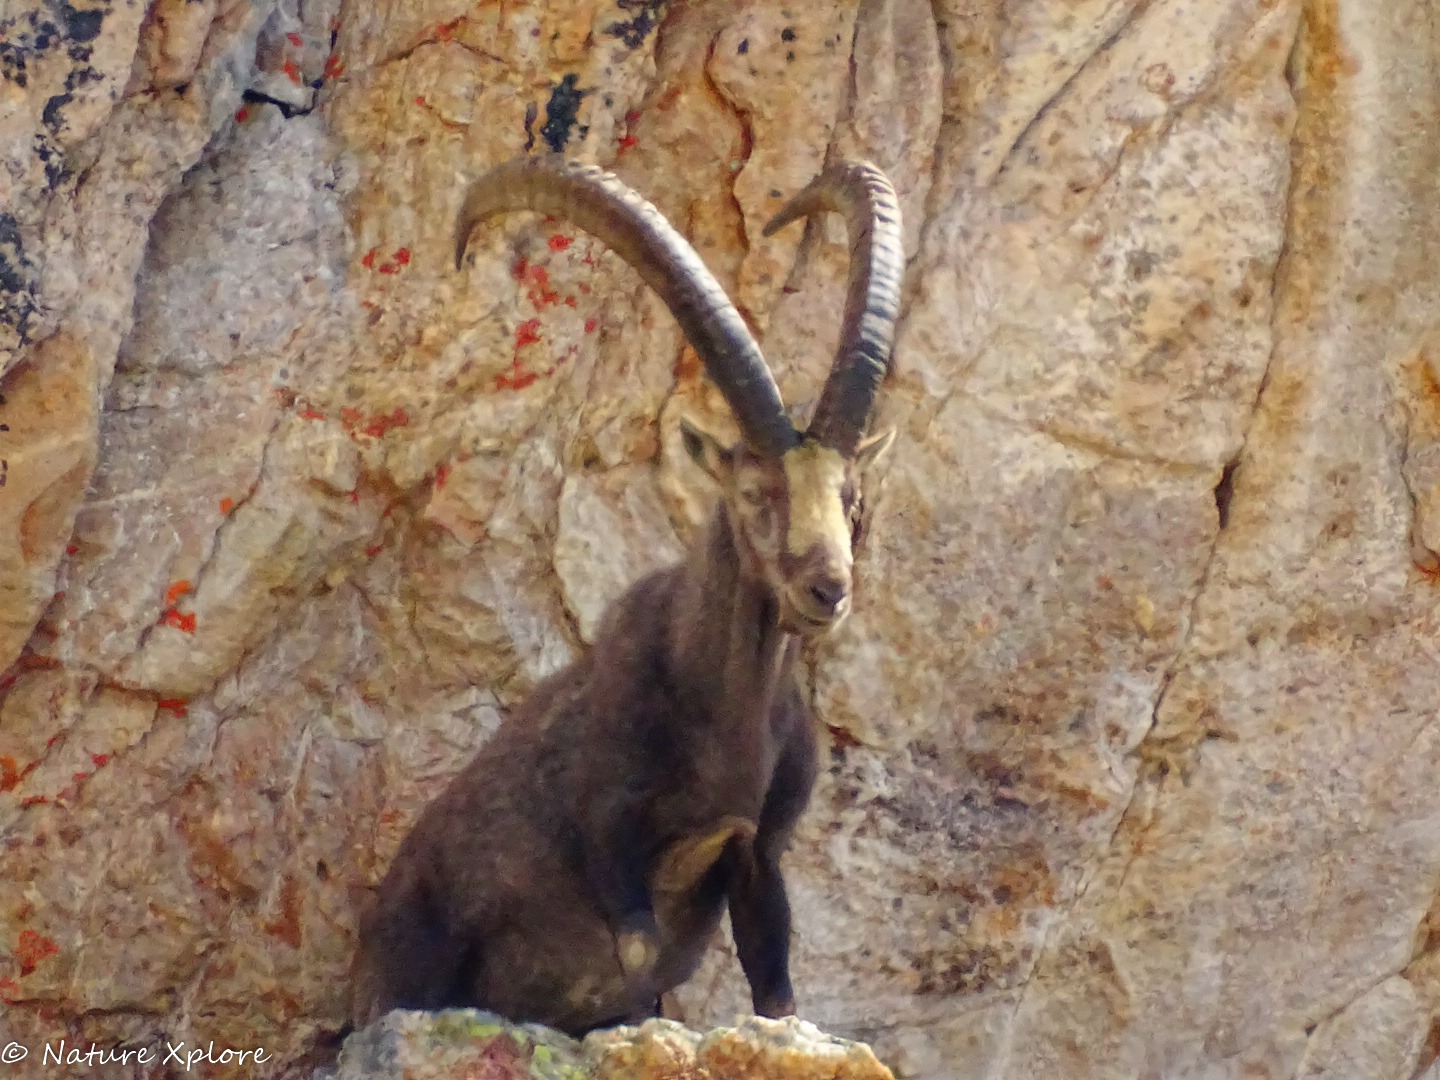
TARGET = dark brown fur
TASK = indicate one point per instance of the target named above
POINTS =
(586, 818)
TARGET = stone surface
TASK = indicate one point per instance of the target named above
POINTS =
(467, 1042)
(1131, 741)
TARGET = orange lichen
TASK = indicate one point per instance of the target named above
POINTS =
(287, 926)
(173, 704)
(380, 424)
(183, 621)
(175, 591)
(333, 67)
(227, 504)
(9, 773)
(291, 71)
(32, 948)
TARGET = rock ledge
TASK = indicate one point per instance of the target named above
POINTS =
(474, 1044)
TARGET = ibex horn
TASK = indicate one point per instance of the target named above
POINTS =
(602, 205)
(860, 191)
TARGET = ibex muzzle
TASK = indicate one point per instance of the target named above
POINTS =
(580, 864)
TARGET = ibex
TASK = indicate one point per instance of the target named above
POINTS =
(578, 867)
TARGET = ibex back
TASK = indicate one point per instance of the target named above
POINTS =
(579, 866)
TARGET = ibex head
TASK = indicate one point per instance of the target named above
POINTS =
(793, 497)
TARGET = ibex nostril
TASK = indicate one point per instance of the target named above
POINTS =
(829, 593)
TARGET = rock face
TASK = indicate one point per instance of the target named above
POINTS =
(466, 1042)
(1132, 739)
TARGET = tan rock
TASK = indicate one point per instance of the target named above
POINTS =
(1131, 745)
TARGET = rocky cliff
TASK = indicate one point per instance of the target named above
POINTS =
(1132, 741)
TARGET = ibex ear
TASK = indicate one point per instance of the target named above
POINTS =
(873, 449)
(705, 450)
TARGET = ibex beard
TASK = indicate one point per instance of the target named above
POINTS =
(579, 866)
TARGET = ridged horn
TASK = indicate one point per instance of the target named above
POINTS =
(603, 206)
(861, 192)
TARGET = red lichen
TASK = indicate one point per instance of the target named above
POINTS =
(539, 291)
(559, 242)
(373, 550)
(173, 704)
(287, 926)
(227, 504)
(308, 413)
(177, 590)
(369, 260)
(402, 256)
(291, 71)
(527, 333)
(183, 621)
(294, 39)
(419, 99)
(32, 948)
(25, 803)
(379, 425)
(9, 773)
(71, 549)
(9, 990)
(388, 268)
(570, 301)
(590, 324)
(333, 67)
(242, 112)
(445, 31)
(442, 473)
(515, 379)
(100, 760)
(626, 142)
(350, 417)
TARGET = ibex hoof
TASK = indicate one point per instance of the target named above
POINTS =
(638, 952)
(776, 1009)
